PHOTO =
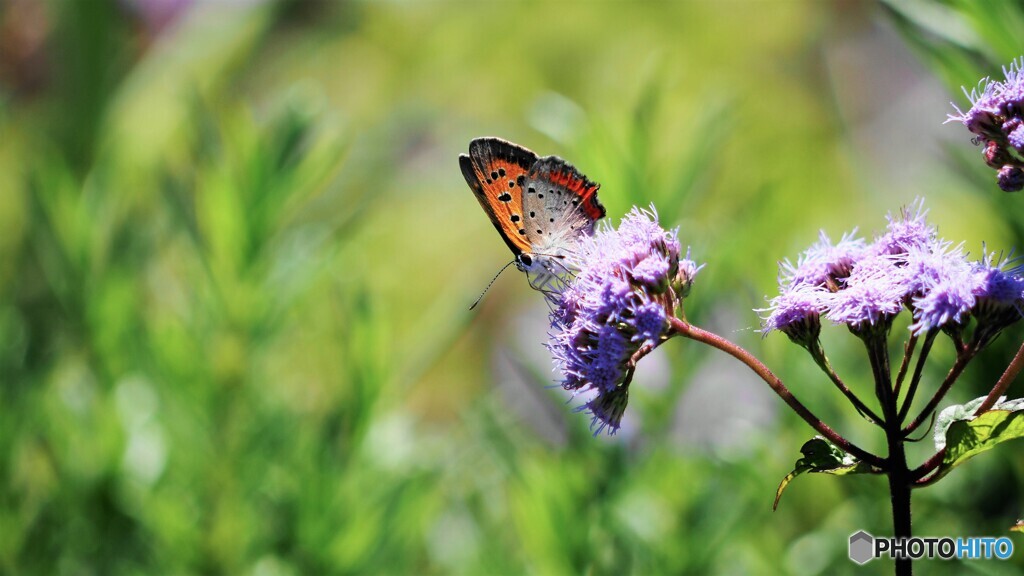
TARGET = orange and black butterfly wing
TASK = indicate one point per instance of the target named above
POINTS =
(559, 201)
(492, 170)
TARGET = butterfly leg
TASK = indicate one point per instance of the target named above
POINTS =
(564, 270)
(542, 283)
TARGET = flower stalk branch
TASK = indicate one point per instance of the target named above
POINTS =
(926, 348)
(908, 355)
(1009, 375)
(694, 333)
(962, 359)
(896, 462)
(920, 474)
(818, 354)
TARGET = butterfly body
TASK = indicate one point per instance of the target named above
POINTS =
(541, 207)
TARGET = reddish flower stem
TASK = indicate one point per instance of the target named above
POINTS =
(1009, 375)
(917, 474)
(694, 333)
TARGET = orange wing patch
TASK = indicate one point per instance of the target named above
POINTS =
(571, 179)
(492, 170)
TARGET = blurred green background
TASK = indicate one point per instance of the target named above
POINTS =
(237, 256)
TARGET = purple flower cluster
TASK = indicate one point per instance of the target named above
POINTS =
(629, 282)
(908, 267)
(996, 116)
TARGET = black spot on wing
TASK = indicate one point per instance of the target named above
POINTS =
(470, 172)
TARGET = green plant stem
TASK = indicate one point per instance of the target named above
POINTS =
(929, 339)
(694, 333)
(822, 361)
(908, 355)
(896, 469)
(899, 490)
(963, 357)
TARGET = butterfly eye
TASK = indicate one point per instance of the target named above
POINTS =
(526, 260)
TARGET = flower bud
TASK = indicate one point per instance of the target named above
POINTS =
(1011, 178)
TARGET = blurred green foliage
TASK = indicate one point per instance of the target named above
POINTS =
(237, 257)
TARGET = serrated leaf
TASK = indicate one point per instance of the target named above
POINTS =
(951, 414)
(969, 438)
(962, 412)
(823, 457)
(963, 435)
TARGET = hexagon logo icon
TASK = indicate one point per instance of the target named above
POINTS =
(862, 547)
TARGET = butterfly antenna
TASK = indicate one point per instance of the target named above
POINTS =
(491, 283)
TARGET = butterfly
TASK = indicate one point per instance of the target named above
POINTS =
(540, 206)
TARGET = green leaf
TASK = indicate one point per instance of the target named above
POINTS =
(963, 435)
(823, 457)
(959, 412)
(951, 414)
